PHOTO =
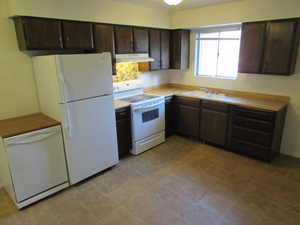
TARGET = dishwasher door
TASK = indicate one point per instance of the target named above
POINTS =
(37, 162)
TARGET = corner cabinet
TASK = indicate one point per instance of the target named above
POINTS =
(38, 33)
(180, 49)
(256, 133)
(269, 47)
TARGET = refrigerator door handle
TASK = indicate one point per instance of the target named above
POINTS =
(68, 124)
(62, 84)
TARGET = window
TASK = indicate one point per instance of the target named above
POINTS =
(217, 53)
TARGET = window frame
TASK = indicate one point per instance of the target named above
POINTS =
(236, 27)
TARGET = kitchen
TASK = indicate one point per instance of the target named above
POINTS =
(210, 157)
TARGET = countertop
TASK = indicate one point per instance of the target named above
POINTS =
(246, 99)
(120, 104)
(25, 124)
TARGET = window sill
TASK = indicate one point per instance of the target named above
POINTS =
(216, 77)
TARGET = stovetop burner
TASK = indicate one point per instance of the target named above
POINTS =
(138, 98)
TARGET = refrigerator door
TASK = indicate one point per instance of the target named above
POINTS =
(90, 137)
(84, 76)
(37, 162)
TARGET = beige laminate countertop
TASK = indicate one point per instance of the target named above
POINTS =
(246, 99)
(120, 104)
(25, 124)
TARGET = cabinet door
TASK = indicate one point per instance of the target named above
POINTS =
(155, 49)
(280, 45)
(214, 126)
(124, 136)
(105, 41)
(141, 40)
(169, 120)
(180, 48)
(252, 47)
(165, 49)
(188, 120)
(38, 34)
(104, 38)
(123, 39)
(78, 35)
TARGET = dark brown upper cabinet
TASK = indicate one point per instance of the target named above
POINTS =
(269, 47)
(38, 33)
(104, 38)
(165, 49)
(123, 39)
(252, 43)
(180, 49)
(281, 47)
(155, 46)
(78, 35)
(105, 41)
(141, 40)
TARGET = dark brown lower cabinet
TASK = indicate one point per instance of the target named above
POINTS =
(187, 117)
(124, 131)
(256, 133)
(214, 123)
(169, 117)
(251, 132)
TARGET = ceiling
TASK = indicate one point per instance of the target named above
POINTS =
(183, 5)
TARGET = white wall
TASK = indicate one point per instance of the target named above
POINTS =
(236, 11)
(154, 78)
(17, 88)
(278, 85)
(93, 10)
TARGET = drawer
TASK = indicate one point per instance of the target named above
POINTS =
(252, 113)
(216, 106)
(252, 136)
(123, 113)
(187, 101)
(255, 124)
(250, 149)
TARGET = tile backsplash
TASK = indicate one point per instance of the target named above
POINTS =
(126, 71)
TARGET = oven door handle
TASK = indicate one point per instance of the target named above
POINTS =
(148, 106)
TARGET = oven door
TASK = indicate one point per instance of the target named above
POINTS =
(148, 120)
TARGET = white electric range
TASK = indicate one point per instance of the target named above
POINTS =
(147, 119)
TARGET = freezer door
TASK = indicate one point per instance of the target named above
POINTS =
(37, 162)
(90, 137)
(84, 76)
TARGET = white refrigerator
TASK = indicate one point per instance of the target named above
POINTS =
(77, 90)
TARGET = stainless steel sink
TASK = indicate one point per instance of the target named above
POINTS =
(194, 93)
(200, 93)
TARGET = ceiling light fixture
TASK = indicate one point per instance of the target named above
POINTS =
(173, 2)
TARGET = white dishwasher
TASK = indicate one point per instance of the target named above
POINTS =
(36, 165)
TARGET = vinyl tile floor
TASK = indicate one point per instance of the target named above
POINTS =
(180, 182)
